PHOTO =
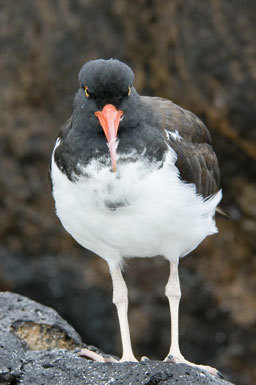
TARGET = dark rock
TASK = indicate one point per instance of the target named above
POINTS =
(39, 347)
(38, 326)
(65, 284)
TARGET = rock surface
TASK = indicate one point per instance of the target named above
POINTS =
(38, 347)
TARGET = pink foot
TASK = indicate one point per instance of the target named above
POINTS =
(96, 356)
(181, 360)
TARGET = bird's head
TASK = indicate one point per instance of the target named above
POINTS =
(107, 85)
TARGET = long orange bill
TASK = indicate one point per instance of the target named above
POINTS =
(109, 119)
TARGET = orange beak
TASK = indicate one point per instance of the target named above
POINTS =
(109, 119)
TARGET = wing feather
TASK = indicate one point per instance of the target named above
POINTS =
(191, 140)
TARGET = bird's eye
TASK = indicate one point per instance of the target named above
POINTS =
(86, 91)
(129, 90)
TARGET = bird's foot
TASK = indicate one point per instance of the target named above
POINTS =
(96, 356)
(128, 359)
(181, 360)
(90, 354)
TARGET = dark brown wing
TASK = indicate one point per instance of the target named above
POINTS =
(190, 139)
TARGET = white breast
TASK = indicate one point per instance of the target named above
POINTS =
(139, 211)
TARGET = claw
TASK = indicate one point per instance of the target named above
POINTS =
(220, 375)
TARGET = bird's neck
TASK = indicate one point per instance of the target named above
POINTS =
(138, 135)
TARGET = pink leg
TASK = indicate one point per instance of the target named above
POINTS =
(173, 294)
(120, 299)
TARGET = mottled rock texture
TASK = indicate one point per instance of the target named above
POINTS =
(200, 54)
(38, 347)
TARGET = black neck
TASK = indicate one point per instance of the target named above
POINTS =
(138, 134)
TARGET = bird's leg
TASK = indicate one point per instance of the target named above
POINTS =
(120, 299)
(173, 293)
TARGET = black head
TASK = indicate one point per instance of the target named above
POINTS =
(106, 79)
(106, 108)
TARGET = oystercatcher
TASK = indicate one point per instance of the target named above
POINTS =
(134, 176)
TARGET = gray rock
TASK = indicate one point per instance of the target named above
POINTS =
(19, 314)
(39, 347)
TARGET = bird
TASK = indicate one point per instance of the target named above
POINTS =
(134, 176)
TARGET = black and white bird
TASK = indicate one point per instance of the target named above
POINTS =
(134, 176)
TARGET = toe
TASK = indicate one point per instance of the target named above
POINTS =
(144, 358)
(210, 370)
(91, 355)
(182, 360)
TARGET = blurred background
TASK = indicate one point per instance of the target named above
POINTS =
(201, 55)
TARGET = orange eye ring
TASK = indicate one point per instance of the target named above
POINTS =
(86, 91)
(129, 90)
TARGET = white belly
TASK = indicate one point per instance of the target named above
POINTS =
(155, 214)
